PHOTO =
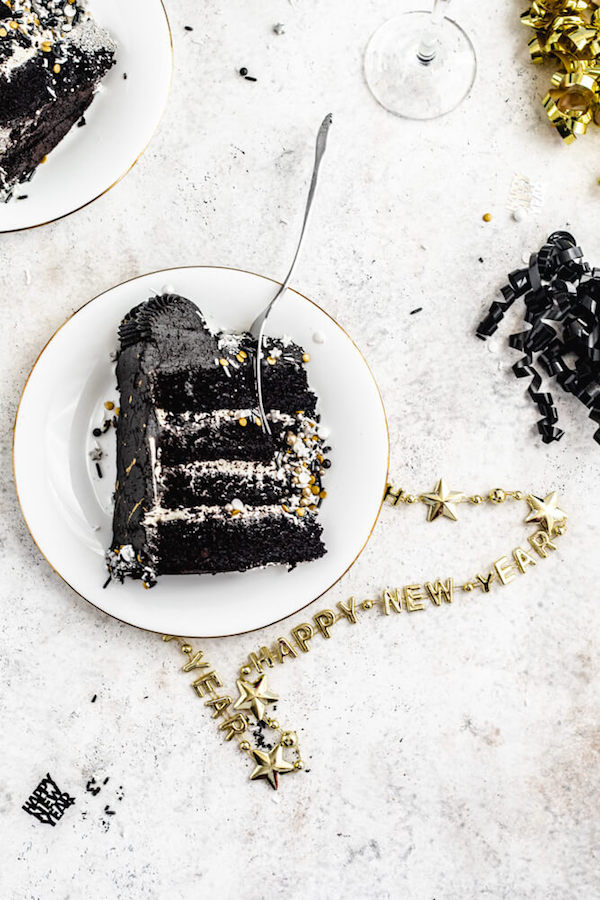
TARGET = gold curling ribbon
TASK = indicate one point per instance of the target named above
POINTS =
(568, 33)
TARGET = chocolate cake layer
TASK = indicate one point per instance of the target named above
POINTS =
(208, 546)
(200, 485)
(207, 483)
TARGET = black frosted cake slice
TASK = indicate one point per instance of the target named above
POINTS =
(200, 485)
(52, 57)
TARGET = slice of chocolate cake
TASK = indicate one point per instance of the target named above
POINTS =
(52, 57)
(200, 486)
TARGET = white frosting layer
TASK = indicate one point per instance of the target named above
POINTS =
(158, 514)
(191, 421)
(256, 471)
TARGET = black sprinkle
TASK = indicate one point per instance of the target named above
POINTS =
(107, 582)
(96, 432)
(188, 27)
(22, 196)
(98, 470)
(81, 122)
(106, 780)
(109, 812)
(326, 463)
(93, 700)
(124, 76)
(243, 71)
(417, 310)
(250, 78)
(481, 259)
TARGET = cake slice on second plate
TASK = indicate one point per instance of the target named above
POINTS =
(52, 57)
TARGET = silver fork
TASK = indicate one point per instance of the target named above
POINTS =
(257, 329)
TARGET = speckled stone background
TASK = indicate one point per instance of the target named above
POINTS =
(451, 753)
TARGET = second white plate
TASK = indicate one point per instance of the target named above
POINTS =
(68, 509)
(119, 123)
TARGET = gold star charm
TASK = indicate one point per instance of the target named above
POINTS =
(441, 501)
(270, 764)
(546, 512)
(254, 696)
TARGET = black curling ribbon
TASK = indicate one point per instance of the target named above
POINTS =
(561, 296)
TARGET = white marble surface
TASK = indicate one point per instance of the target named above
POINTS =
(452, 753)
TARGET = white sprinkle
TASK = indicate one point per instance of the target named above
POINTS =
(319, 337)
(519, 214)
(27, 276)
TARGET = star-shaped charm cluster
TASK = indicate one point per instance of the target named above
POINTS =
(255, 696)
(546, 512)
(441, 502)
(270, 764)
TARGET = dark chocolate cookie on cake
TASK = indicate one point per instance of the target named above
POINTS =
(201, 487)
(52, 57)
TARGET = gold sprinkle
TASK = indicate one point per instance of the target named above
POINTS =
(315, 489)
(271, 360)
(487, 217)
(117, 410)
(300, 511)
(46, 46)
(56, 68)
(257, 421)
(43, 160)
(223, 362)
(145, 586)
(306, 357)
(284, 507)
(130, 467)
(235, 512)
(243, 354)
(311, 480)
(323, 494)
(109, 405)
(243, 422)
(13, 25)
(133, 510)
(3, 32)
(239, 357)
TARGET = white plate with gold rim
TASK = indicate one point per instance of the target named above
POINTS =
(68, 508)
(120, 121)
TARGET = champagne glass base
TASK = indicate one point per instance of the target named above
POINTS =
(407, 87)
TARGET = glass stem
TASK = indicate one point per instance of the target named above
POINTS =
(427, 47)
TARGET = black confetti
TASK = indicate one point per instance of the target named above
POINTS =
(558, 286)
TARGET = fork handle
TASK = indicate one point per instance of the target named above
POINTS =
(258, 326)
